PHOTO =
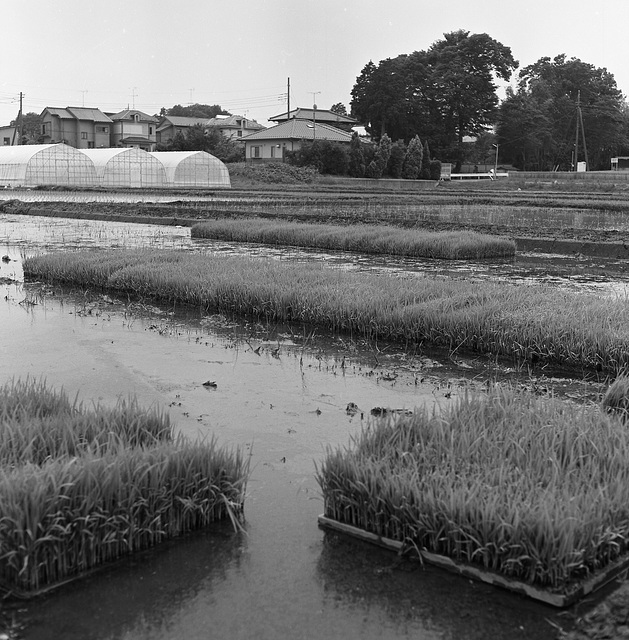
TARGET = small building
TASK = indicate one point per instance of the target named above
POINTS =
(32, 165)
(621, 163)
(193, 170)
(8, 136)
(233, 127)
(78, 127)
(133, 128)
(271, 144)
(126, 167)
(169, 126)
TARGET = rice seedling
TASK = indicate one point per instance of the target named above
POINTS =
(79, 488)
(529, 323)
(616, 398)
(364, 238)
(533, 489)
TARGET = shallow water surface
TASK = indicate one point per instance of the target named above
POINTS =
(283, 397)
(282, 394)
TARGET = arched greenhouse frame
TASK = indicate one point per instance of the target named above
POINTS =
(127, 167)
(193, 169)
(45, 165)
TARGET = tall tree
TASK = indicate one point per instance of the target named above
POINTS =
(31, 127)
(442, 94)
(537, 125)
(413, 160)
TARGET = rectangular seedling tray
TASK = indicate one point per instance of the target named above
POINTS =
(566, 598)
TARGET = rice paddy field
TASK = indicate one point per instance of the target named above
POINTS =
(526, 323)
(306, 402)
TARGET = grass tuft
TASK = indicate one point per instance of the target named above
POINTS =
(531, 488)
(375, 239)
(79, 488)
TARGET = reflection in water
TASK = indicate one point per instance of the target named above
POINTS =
(27, 235)
(421, 601)
(284, 578)
(145, 591)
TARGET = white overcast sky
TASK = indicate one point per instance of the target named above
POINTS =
(151, 53)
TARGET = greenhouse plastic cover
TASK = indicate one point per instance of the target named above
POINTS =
(63, 165)
(193, 169)
(126, 167)
(45, 164)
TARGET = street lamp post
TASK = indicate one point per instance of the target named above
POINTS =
(496, 162)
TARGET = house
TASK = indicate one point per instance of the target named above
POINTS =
(234, 127)
(78, 127)
(318, 115)
(271, 144)
(133, 128)
(169, 126)
(8, 136)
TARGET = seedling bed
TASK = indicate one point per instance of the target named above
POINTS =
(572, 594)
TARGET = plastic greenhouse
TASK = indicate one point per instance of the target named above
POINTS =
(45, 164)
(193, 169)
(126, 167)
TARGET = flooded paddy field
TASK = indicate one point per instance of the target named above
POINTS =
(282, 392)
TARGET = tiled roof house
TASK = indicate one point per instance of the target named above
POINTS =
(271, 144)
(234, 127)
(319, 115)
(79, 127)
(133, 128)
(169, 126)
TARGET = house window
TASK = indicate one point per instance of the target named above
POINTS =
(43, 128)
(150, 131)
(240, 134)
(136, 117)
(7, 142)
(83, 135)
(272, 151)
(104, 129)
(255, 152)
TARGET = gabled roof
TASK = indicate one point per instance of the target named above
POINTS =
(300, 130)
(83, 113)
(78, 113)
(231, 122)
(137, 140)
(127, 114)
(180, 121)
(320, 115)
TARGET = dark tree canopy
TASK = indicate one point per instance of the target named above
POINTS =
(196, 111)
(197, 138)
(31, 127)
(442, 94)
(339, 108)
(537, 124)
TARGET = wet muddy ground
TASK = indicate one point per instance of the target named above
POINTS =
(282, 393)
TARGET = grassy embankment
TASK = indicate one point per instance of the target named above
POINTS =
(534, 489)
(529, 323)
(379, 239)
(80, 488)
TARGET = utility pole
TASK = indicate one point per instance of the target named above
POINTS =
(576, 141)
(314, 114)
(20, 123)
